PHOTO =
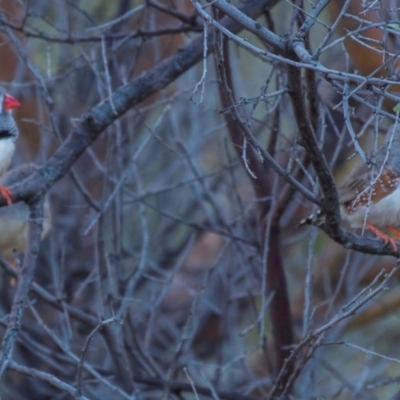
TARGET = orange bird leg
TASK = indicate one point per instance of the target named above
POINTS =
(395, 232)
(382, 235)
(6, 193)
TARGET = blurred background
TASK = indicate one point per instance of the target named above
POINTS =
(165, 221)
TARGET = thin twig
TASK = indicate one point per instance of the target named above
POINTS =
(85, 348)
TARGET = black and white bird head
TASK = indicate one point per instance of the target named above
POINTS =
(8, 134)
(8, 128)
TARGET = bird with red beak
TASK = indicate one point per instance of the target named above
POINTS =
(8, 135)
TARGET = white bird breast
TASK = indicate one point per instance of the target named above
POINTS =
(7, 148)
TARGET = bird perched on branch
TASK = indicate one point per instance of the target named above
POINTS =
(15, 218)
(370, 196)
(8, 135)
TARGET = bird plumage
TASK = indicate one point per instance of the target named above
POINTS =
(7, 149)
(8, 136)
(370, 195)
(7, 123)
(14, 219)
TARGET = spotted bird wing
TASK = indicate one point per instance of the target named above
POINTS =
(358, 181)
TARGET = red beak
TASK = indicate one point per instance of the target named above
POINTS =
(10, 103)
